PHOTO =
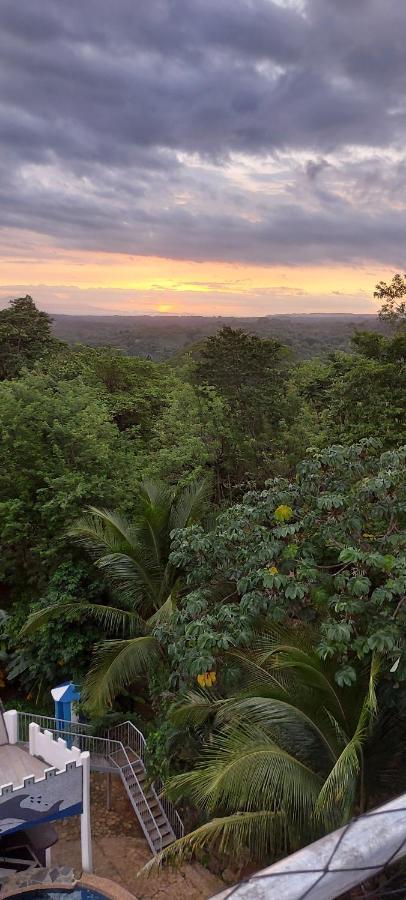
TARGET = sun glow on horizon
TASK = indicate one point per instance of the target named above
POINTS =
(115, 283)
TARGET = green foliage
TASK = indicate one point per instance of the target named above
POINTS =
(262, 408)
(249, 373)
(176, 337)
(339, 559)
(60, 650)
(286, 750)
(135, 559)
(133, 390)
(25, 336)
(361, 395)
(90, 427)
(189, 437)
(61, 450)
(169, 748)
(393, 309)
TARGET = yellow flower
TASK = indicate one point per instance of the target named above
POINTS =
(207, 679)
(273, 570)
(283, 513)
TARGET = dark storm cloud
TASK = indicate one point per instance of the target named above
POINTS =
(102, 104)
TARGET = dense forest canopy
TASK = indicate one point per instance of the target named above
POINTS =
(163, 337)
(202, 521)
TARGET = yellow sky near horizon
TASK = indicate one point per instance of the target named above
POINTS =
(66, 280)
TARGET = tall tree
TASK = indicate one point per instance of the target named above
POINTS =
(249, 372)
(61, 449)
(359, 395)
(251, 376)
(25, 336)
(393, 295)
(134, 557)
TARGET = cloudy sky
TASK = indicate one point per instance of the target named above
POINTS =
(216, 156)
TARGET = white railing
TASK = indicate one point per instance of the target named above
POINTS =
(79, 735)
(336, 863)
(47, 723)
(67, 782)
(131, 737)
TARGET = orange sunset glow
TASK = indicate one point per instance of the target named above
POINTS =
(116, 283)
(261, 175)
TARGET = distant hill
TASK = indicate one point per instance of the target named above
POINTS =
(162, 337)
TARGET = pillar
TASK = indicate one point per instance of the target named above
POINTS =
(85, 822)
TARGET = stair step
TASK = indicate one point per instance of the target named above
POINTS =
(151, 802)
(141, 774)
(135, 781)
(151, 826)
(166, 840)
(145, 811)
(148, 800)
(160, 820)
(143, 797)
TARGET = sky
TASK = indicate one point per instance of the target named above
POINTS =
(235, 157)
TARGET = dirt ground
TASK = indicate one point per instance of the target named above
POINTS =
(120, 850)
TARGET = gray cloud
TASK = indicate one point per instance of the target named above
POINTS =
(122, 127)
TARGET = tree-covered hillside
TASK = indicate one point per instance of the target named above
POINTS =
(163, 336)
(215, 548)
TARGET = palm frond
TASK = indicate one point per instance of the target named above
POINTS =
(116, 666)
(336, 797)
(155, 494)
(111, 617)
(41, 617)
(258, 834)
(116, 550)
(244, 769)
(291, 650)
(286, 722)
(103, 530)
(339, 789)
(196, 707)
(190, 504)
(164, 613)
(152, 521)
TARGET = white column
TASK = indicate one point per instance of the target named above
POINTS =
(11, 722)
(48, 858)
(33, 730)
(85, 826)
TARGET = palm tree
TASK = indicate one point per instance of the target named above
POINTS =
(285, 760)
(135, 559)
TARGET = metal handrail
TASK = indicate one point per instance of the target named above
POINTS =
(92, 743)
(47, 722)
(119, 728)
(168, 807)
(126, 733)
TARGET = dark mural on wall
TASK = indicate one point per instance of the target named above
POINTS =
(56, 796)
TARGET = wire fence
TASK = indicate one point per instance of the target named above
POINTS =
(357, 861)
